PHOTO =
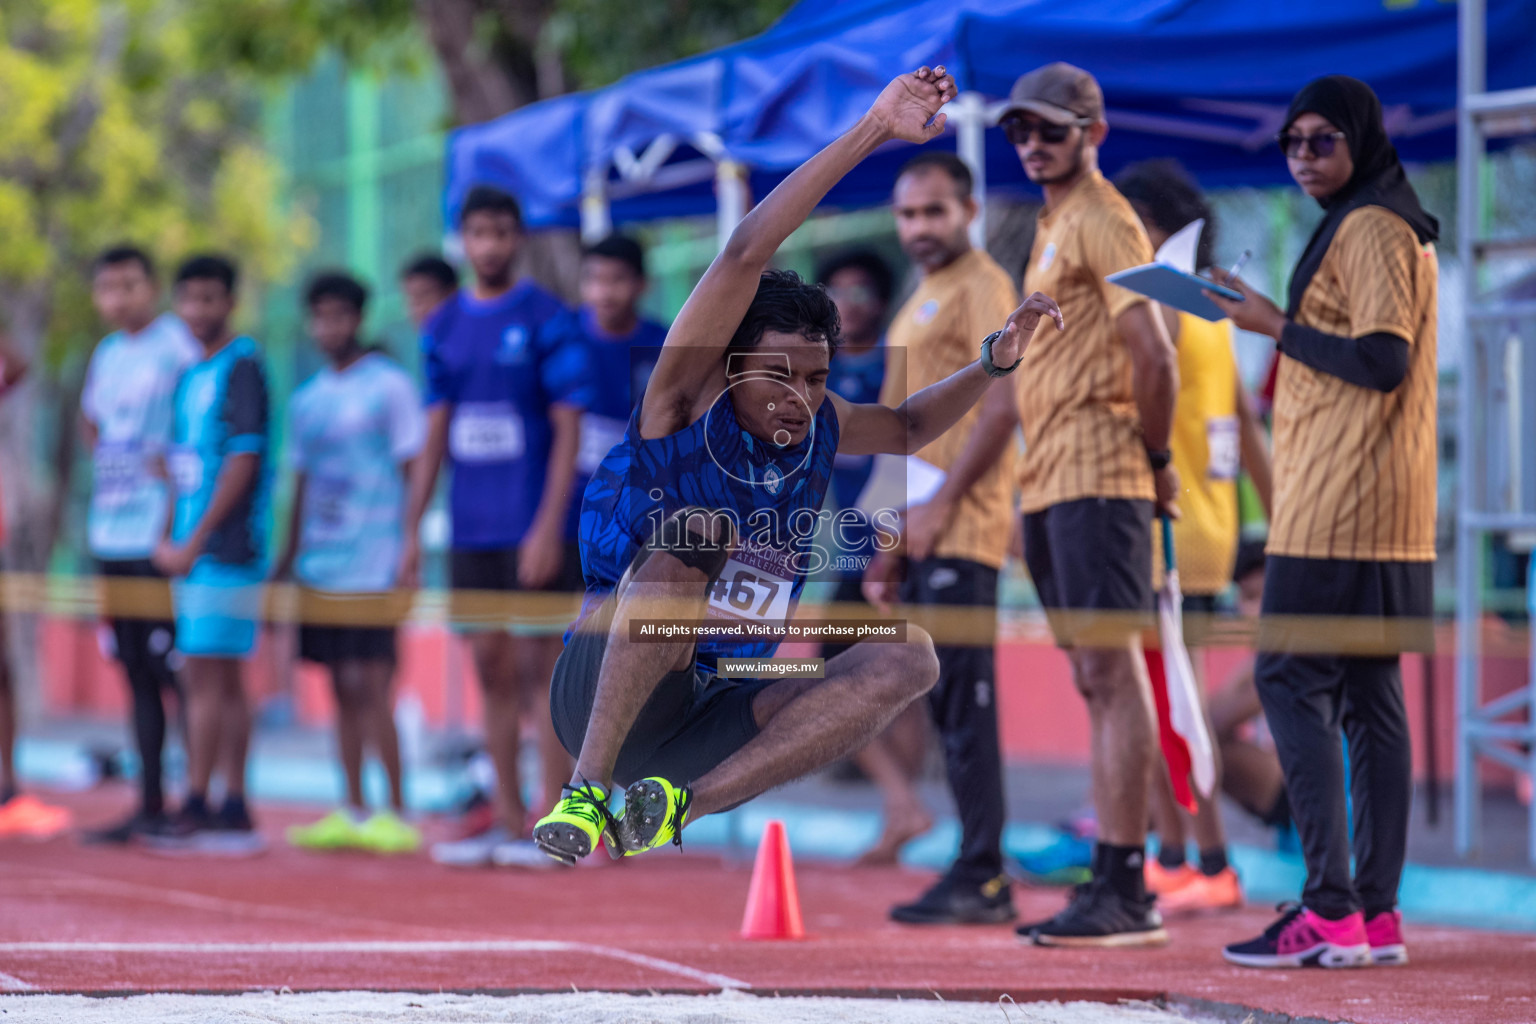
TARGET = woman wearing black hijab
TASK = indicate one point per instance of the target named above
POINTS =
(1353, 522)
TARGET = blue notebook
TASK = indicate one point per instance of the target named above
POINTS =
(1175, 288)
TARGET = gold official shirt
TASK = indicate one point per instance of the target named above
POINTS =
(938, 332)
(1354, 469)
(1082, 433)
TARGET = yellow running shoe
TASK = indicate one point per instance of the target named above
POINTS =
(571, 830)
(655, 812)
(335, 831)
(384, 832)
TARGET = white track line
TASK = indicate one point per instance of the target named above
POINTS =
(492, 946)
(11, 983)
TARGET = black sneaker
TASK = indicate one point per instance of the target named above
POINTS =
(136, 824)
(174, 831)
(1099, 916)
(954, 901)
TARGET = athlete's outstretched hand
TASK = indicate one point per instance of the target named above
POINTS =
(908, 108)
(1010, 346)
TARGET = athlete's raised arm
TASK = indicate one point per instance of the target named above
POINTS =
(906, 109)
(917, 422)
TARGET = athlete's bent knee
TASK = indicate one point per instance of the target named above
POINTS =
(914, 666)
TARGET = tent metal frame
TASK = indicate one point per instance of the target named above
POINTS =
(1496, 331)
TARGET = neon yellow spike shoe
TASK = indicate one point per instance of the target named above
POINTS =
(385, 832)
(335, 831)
(655, 812)
(571, 830)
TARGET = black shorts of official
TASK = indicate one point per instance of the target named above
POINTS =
(693, 721)
(480, 577)
(1335, 606)
(1199, 618)
(1092, 555)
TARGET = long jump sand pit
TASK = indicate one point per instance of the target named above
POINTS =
(565, 1008)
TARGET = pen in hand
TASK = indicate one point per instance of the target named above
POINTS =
(1238, 266)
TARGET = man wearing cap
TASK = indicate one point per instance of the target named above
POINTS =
(1097, 411)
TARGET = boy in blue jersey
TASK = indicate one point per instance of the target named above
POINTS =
(354, 428)
(700, 513)
(125, 411)
(216, 551)
(504, 405)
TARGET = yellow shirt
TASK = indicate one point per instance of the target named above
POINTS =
(938, 332)
(1207, 456)
(1354, 470)
(1082, 433)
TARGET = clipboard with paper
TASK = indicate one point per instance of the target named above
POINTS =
(1171, 279)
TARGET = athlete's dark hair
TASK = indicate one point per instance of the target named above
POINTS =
(489, 199)
(867, 260)
(788, 304)
(431, 265)
(126, 253)
(209, 268)
(939, 160)
(1164, 189)
(336, 284)
(619, 247)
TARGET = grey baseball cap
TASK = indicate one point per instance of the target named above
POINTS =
(1060, 93)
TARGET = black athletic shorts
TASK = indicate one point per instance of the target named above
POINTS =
(1092, 555)
(693, 721)
(330, 645)
(136, 600)
(336, 627)
(1335, 606)
(478, 576)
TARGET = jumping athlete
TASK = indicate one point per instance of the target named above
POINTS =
(701, 512)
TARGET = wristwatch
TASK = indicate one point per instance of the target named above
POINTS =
(1159, 459)
(993, 370)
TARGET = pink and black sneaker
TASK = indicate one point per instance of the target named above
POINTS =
(1384, 932)
(1301, 938)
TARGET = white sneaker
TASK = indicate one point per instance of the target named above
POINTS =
(521, 853)
(474, 852)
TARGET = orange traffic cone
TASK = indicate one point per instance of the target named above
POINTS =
(773, 903)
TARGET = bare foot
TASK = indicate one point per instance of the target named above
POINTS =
(901, 826)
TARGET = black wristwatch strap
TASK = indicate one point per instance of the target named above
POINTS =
(1159, 460)
(993, 370)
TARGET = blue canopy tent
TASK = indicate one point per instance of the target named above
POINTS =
(1205, 81)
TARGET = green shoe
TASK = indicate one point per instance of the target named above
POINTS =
(655, 812)
(386, 833)
(335, 831)
(571, 830)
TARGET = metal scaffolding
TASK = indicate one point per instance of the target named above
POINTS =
(1496, 447)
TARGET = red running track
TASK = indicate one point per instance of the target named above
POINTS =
(75, 919)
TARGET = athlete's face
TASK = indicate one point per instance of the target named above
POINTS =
(205, 306)
(932, 218)
(858, 302)
(778, 386)
(1319, 176)
(125, 295)
(612, 290)
(423, 295)
(1050, 163)
(491, 241)
(334, 324)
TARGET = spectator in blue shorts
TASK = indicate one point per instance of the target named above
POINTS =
(216, 552)
(504, 407)
(125, 410)
(354, 428)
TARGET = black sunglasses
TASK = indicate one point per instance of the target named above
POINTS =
(1322, 144)
(1018, 130)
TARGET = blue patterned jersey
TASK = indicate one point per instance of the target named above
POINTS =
(772, 494)
(221, 408)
